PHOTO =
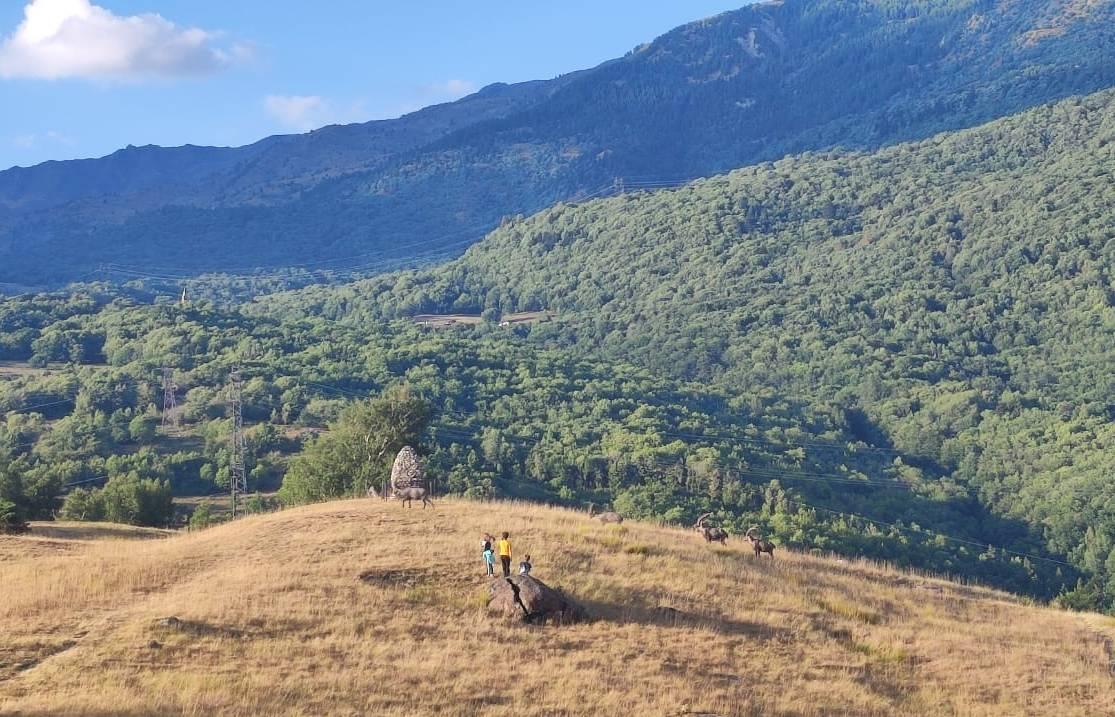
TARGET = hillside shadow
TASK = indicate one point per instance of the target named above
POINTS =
(85, 713)
(671, 617)
(67, 530)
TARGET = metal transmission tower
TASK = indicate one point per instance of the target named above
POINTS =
(170, 403)
(238, 481)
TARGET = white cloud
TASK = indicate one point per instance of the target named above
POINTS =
(300, 112)
(454, 89)
(306, 112)
(25, 141)
(75, 38)
(34, 140)
(432, 94)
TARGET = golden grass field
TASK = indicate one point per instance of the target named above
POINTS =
(275, 620)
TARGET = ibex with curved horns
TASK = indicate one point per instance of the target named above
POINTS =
(711, 534)
(760, 544)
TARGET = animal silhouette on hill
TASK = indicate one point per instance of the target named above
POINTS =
(711, 533)
(605, 517)
(408, 478)
(758, 543)
(406, 495)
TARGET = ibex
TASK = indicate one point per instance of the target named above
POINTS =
(759, 544)
(712, 534)
(408, 476)
(608, 517)
(406, 495)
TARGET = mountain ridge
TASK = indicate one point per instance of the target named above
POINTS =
(749, 85)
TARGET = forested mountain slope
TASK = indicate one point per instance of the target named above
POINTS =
(955, 296)
(81, 393)
(749, 85)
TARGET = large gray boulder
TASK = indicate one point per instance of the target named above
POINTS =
(529, 599)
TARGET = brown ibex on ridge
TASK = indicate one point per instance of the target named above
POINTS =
(607, 517)
(759, 544)
(406, 495)
(711, 533)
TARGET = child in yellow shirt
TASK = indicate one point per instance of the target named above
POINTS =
(505, 553)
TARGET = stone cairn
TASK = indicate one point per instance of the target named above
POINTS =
(408, 470)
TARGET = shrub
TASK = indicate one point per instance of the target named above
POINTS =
(138, 501)
(84, 504)
(202, 517)
(11, 520)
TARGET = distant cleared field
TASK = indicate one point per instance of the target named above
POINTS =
(273, 618)
(22, 368)
(441, 321)
(16, 369)
(527, 317)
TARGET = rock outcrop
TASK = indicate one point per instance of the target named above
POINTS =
(533, 601)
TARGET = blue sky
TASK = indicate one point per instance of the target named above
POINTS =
(81, 78)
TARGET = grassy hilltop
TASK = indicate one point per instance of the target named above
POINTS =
(274, 618)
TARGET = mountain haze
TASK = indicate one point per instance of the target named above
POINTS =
(746, 86)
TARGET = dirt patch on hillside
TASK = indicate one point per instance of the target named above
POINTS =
(404, 578)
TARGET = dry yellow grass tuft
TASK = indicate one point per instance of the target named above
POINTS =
(364, 608)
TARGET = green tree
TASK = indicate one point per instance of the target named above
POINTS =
(138, 501)
(11, 519)
(202, 517)
(84, 504)
(141, 429)
(357, 451)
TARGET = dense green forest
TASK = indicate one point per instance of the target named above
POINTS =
(749, 85)
(952, 298)
(82, 395)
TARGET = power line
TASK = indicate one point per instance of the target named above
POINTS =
(238, 480)
(783, 444)
(335, 389)
(927, 531)
(170, 412)
(41, 405)
(87, 480)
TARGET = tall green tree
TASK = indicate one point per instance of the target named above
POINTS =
(357, 451)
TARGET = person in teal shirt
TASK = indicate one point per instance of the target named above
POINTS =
(489, 554)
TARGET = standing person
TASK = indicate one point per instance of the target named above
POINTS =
(487, 553)
(505, 553)
(525, 566)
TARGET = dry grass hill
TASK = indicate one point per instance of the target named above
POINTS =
(365, 608)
